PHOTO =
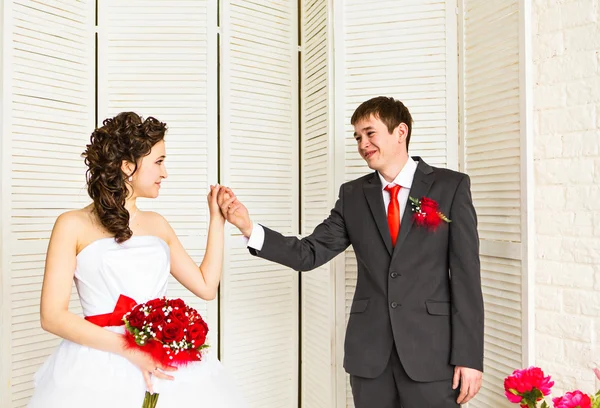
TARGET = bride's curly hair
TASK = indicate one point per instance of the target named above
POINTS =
(125, 137)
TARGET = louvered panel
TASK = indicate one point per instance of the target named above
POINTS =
(51, 80)
(158, 58)
(492, 124)
(410, 38)
(260, 328)
(502, 301)
(492, 135)
(317, 328)
(318, 287)
(351, 274)
(259, 156)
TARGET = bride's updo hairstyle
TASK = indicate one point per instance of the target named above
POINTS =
(125, 137)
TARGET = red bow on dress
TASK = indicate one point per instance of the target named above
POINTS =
(115, 318)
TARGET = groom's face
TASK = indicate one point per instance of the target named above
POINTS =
(376, 145)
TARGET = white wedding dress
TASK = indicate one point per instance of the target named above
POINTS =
(76, 376)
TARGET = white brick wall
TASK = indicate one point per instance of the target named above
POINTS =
(566, 57)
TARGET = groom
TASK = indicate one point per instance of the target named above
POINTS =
(415, 334)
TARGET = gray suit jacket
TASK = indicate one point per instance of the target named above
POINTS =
(422, 296)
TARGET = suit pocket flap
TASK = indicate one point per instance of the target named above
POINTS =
(438, 308)
(359, 306)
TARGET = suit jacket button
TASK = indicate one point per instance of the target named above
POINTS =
(393, 274)
(394, 305)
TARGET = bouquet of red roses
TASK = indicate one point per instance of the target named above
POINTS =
(169, 330)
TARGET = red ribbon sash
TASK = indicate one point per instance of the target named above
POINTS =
(124, 305)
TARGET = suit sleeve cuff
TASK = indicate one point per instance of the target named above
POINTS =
(257, 238)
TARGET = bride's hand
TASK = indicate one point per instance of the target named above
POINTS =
(235, 212)
(149, 367)
(213, 205)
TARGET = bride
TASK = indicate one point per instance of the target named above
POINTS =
(111, 248)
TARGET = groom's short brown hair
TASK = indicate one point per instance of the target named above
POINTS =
(390, 111)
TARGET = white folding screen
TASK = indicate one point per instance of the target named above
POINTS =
(259, 160)
(48, 98)
(159, 58)
(318, 354)
(493, 134)
(406, 49)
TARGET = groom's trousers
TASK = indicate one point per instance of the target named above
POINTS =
(395, 389)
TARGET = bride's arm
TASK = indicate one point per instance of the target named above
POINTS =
(56, 292)
(202, 281)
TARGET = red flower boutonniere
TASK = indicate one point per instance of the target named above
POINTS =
(426, 213)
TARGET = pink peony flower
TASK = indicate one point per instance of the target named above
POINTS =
(575, 399)
(527, 386)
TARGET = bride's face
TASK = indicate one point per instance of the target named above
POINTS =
(151, 172)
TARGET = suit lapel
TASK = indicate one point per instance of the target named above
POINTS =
(372, 188)
(422, 181)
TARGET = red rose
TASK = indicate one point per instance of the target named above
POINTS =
(197, 333)
(157, 318)
(136, 318)
(179, 314)
(177, 303)
(173, 331)
(156, 303)
(429, 206)
(137, 308)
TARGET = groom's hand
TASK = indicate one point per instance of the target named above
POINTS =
(234, 211)
(470, 383)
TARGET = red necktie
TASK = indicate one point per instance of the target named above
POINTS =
(393, 216)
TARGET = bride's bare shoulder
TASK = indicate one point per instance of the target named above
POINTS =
(70, 218)
(152, 223)
(77, 223)
(154, 218)
(80, 218)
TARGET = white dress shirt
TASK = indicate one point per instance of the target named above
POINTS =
(403, 179)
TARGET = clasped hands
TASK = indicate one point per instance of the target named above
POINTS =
(234, 211)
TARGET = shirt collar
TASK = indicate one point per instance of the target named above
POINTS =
(405, 177)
